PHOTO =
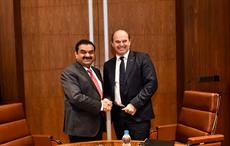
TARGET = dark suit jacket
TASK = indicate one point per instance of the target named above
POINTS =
(141, 83)
(82, 102)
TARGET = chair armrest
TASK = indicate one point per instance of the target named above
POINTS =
(206, 139)
(166, 132)
(45, 140)
(153, 134)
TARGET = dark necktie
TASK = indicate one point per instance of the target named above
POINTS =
(122, 79)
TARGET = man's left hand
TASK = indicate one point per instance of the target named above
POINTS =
(130, 109)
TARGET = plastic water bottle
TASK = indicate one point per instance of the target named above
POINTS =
(126, 139)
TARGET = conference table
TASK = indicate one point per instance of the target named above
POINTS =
(102, 143)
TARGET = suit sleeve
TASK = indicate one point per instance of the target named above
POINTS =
(74, 95)
(106, 90)
(149, 80)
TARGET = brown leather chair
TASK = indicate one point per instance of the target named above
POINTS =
(196, 123)
(14, 130)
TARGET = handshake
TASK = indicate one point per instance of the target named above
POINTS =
(106, 104)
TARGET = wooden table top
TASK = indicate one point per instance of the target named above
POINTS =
(102, 143)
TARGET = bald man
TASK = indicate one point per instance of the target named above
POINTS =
(130, 82)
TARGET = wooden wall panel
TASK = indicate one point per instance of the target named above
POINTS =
(206, 51)
(50, 30)
(9, 84)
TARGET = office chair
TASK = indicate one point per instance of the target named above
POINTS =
(14, 130)
(196, 123)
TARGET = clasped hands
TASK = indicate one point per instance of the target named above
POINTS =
(106, 104)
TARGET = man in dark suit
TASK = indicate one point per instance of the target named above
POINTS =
(82, 84)
(130, 88)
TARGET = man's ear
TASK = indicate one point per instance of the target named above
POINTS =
(111, 44)
(76, 55)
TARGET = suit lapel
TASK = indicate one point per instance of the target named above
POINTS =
(81, 69)
(130, 63)
(112, 68)
(85, 73)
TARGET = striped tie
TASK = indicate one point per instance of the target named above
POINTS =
(93, 78)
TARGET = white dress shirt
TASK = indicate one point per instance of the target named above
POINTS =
(117, 76)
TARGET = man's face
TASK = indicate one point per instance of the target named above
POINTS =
(121, 42)
(85, 55)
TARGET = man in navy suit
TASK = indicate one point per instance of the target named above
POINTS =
(83, 102)
(130, 88)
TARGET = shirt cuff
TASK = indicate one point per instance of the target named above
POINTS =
(101, 107)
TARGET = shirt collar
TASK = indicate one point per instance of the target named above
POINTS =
(125, 55)
(86, 68)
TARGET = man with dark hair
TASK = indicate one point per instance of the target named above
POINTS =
(83, 101)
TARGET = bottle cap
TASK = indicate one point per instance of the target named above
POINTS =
(126, 131)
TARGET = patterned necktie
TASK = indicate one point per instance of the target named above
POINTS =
(93, 78)
(122, 79)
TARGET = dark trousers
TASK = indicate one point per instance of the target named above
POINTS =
(123, 121)
(73, 139)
